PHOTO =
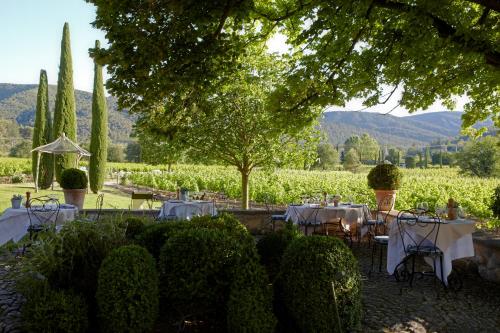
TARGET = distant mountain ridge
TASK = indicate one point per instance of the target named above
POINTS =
(18, 102)
(404, 132)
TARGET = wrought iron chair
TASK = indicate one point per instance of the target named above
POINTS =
(274, 218)
(377, 224)
(306, 220)
(42, 213)
(423, 246)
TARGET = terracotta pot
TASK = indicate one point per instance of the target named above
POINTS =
(75, 197)
(385, 199)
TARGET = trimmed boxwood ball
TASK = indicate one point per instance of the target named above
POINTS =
(72, 179)
(309, 266)
(133, 226)
(127, 292)
(385, 177)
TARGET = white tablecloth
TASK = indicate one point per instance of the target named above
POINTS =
(14, 223)
(186, 209)
(454, 240)
(352, 215)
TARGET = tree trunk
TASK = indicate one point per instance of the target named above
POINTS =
(169, 167)
(245, 176)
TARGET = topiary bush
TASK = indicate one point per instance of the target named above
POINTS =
(154, 236)
(18, 178)
(133, 226)
(309, 266)
(249, 308)
(385, 177)
(73, 179)
(495, 203)
(272, 246)
(127, 293)
(48, 310)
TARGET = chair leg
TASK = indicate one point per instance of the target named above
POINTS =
(412, 270)
(380, 259)
(373, 256)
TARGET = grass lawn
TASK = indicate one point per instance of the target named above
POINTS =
(112, 197)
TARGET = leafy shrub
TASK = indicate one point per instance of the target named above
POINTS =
(17, 179)
(73, 179)
(133, 226)
(495, 203)
(272, 246)
(211, 271)
(249, 308)
(309, 266)
(72, 258)
(385, 177)
(127, 293)
(48, 310)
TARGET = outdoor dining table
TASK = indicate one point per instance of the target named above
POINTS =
(183, 211)
(352, 215)
(454, 239)
(14, 222)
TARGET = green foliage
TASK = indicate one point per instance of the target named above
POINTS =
(127, 293)
(72, 258)
(115, 153)
(385, 177)
(51, 311)
(351, 160)
(42, 106)
(73, 179)
(134, 226)
(495, 203)
(17, 179)
(200, 267)
(22, 149)
(64, 112)
(272, 246)
(133, 152)
(328, 157)
(309, 266)
(410, 162)
(480, 158)
(365, 146)
(99, 134)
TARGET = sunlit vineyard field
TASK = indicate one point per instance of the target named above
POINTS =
(434, 186)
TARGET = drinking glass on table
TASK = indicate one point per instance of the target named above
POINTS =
(422, 207)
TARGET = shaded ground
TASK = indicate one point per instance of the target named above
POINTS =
(391, 306)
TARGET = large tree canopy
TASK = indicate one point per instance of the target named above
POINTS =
(341, 49)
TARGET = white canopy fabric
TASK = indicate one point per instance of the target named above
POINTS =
(60, 146)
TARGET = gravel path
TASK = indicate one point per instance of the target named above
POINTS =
(10, 301)
(391, 306)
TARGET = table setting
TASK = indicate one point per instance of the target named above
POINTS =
(14, 222)
(185, 209)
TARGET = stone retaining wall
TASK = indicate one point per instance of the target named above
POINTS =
(487, 259)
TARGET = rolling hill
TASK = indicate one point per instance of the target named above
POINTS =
(17, 103)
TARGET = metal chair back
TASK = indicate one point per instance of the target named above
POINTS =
(42, 213)
(425, 241)
(98, 205)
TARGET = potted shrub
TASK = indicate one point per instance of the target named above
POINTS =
(385, 179)
(74, 184)
(16, 201)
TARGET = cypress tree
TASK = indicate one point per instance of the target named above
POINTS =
(99, 132)
(47, 162)
(65, 113)
(42, 104)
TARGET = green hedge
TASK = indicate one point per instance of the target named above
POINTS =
(272, 246)
(218, 277)
(48, 310)
(309, 266)
(127, 293)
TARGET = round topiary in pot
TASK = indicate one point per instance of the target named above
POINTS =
(127, 292)
(74, 184)
(385, 180)
(310, 265)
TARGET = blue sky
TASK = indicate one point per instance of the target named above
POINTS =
(31, 32)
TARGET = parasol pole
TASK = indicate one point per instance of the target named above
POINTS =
(37, 170)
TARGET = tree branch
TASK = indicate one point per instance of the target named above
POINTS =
(446, 30)
(490, 4)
